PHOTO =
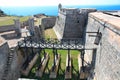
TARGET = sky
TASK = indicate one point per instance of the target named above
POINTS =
(56, 2)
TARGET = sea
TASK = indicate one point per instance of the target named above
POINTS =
(50, 10)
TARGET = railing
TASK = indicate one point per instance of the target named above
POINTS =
(76, 43)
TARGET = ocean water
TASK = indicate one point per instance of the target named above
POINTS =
(49, 10)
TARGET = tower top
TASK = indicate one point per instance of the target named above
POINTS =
(59, 6)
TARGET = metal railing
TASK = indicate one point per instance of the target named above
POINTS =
(74, 43)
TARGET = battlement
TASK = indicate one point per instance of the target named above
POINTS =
(68, 11)
(70, 22)
(74, 11)
(95, 34)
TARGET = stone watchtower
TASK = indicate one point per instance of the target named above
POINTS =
(70, 22)
(17, 26)
(59, 6)
(31, 26)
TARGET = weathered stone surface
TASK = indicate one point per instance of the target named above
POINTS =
(9, 68)
(7, 28)
(4, 50)
(14, 72)
(107, 56)
(45, 60)
(48, 22)
(31, 26)
(70, 22)
(17, 26)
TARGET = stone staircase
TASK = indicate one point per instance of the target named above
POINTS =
(8, 65)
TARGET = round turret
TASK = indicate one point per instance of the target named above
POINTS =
(59, 6)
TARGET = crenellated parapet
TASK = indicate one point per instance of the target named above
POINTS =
(71, 22)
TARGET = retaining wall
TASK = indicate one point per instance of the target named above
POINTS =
(107, 60)
(7, 28)
(4, 50)
(48, 22)
(70, 23)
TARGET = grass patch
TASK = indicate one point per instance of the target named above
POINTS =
(8, 20)
(49, 33)
(63, 53)
(25, 18)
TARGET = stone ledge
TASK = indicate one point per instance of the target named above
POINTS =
(108, 21)
(2, 41)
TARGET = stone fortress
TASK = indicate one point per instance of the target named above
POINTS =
(68, 23)
(96, 28)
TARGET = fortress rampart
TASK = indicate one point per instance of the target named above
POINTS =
(71, 22)
(96, 28)
(48, 22)
(9, 68)
(7, 28)
(106, 60)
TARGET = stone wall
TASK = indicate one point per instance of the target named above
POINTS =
(69, 25)
(59, 25)
(74, 26)
(7, 28)
(107, 60)
(4, 50)
(39, 33)
(48, 22)
(14, 71)
(71, 22)
(9, 68)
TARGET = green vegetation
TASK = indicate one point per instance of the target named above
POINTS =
(25, 18)
(8, 20)
(63, 53)
(74, 54)
(2, 13)
(49, 33)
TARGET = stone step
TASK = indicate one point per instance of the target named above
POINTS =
(8, 63)
(9, 60)
(7, 67)
(4, 78)
(10, 57)
(6, 72)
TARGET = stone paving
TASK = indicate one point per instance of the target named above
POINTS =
(13, 42)
(113, 20)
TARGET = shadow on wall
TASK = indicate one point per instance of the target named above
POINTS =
(92, 65)
(11, 36)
